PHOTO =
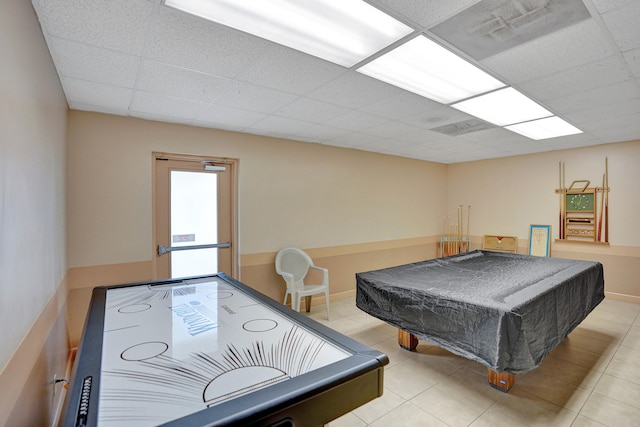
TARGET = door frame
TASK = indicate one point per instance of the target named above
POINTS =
(233, 164)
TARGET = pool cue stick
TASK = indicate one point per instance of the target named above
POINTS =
(601, 211)
(560, 192)
(563, 201)
(606, 200)
(459, 239)
(468, 220)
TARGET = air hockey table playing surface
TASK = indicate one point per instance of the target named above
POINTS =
(210, 351)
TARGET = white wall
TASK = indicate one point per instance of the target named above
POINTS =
(33, 115)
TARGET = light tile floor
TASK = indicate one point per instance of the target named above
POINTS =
(591, 379)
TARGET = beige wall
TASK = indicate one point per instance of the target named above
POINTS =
(291, 193)
(33, 340)
(508, 195)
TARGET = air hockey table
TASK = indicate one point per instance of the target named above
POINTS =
(211, 351)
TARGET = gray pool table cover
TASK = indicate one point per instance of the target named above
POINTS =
(505, 311)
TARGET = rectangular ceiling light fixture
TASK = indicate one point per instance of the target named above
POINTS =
(503, 107)
(424, 67)
(344, 32)
(551, 127)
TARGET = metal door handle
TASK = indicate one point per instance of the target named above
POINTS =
(164, 249)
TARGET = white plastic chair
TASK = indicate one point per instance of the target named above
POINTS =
(293, 264)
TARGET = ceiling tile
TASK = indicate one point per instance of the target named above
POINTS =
(353, 90)
(596, 98)
(184, 69)
(190, 42)
(247, 96)
(356, 121)
(311, 110)
(290, 71)
(606, 5)
(424, 13)
(164, 106)
(633, 60)
(624, 25)
(110, 98)
(584, 77)
(576, 45)
(220, 116)
(115, 24)
(91, 63)
(322, 133)
(280, 126)
(170, 80)
(400, 105)
(601, 112)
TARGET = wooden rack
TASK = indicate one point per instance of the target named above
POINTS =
(582, 217)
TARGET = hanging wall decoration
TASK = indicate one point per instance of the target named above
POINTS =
(584, 210)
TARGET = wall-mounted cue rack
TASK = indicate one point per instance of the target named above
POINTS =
(584, 210)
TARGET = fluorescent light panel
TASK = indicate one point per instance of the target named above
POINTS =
(551, 127)
(428, 69)
(503, 107)
(344, 31)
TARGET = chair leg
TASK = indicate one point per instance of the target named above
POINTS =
(286, 294)
(326, 297)
(295, 301)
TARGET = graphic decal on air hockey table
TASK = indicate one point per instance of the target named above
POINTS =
(169, 351)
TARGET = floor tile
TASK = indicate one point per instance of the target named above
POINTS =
(379, 407)
(619, 389)
(408, 415)
(459, 399)
(521, 408)
(592, 379)
(610, 412)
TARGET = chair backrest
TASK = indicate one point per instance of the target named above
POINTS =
(294, 261)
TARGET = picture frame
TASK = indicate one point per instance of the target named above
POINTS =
(540, 240)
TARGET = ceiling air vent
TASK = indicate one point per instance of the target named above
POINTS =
(460, 128)
(493, 26)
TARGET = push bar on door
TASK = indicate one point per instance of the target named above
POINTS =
(164, 249)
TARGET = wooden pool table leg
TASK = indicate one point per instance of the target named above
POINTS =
(407, 340)
(503, 381)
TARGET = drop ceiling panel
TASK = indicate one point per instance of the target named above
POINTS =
(279, 126)
(252, 97)
(165, 79)
(574, 80)
(287, 70)
(624, 25)
(86, 62)
(633, 60)
(424, 13)
(576, 45)
(227, 117)
(596, 98)
(353, 90)
(493, 26)
(356, 121)
(116, 24)
(311, 110)
(147, 104)
(187, 41)
(401, 105)
(139, 58)
(99, 97)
